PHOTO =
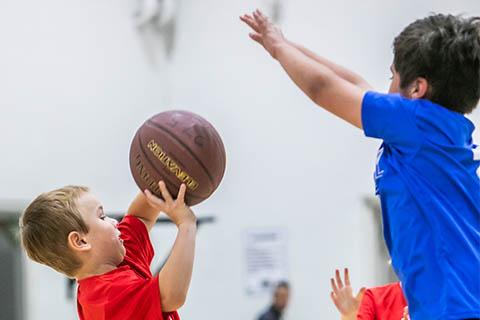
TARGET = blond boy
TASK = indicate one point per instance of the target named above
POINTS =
(67, 230)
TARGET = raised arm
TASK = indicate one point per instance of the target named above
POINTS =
(174, 278)
(325, 87)
(339, 70)
(141, 209)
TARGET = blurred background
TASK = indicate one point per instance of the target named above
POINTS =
(79, 77)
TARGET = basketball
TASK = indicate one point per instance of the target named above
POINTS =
(178, 147)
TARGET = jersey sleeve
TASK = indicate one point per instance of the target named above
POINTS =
(136, 298)
(139, 249)
(367, 307)
(390, 117)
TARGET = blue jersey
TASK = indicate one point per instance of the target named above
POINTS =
(429, 189)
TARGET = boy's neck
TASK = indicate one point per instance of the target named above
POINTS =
(90, 271)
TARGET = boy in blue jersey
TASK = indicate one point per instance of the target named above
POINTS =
(426, 174)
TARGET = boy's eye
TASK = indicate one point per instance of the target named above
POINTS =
(103, 217)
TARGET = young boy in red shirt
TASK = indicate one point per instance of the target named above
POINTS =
(379, 303)
(67, 230)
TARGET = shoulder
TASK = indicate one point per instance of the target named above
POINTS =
(387, 292)
(133, 222)
(132, 229)
(390, 106)
(390, 117)
(368, 297)
(387, 287)
(435, 117)
(373, 97)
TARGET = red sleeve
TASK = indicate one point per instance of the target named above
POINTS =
(139, 249)
(367, 307)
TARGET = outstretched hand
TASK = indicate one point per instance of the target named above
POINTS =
(264, 31)
(342, 296)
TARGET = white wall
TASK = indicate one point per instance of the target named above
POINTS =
(77, 79)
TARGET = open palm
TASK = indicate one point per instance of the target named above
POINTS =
(342, 296)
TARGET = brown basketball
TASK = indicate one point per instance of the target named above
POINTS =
(178, 147)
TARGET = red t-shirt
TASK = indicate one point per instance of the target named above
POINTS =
(383, 303)
(129, 292)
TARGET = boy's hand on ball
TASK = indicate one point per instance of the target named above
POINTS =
(176, 209)
(264, 31)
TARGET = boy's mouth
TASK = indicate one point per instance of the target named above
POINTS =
(119, 238)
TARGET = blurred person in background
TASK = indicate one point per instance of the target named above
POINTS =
(279, 303)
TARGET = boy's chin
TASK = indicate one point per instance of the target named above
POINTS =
(119, 255)
(123, 251)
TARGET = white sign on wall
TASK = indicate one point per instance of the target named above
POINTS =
(265, 258)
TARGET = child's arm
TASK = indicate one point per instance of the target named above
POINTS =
(174, 278)
(141, 209)
(340, 71)
(326, 88)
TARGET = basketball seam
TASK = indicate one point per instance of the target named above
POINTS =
(156, 125)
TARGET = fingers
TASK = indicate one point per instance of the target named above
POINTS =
(256, 37)
(165, 194)
(346, 277)
(260, 22)
(260, 19)
(255, 20)
(249, 21)
(339, 279)
(181, 193)
(153, 199)
(334, 286)
(335, 301)
(261, 15)
(332, 296)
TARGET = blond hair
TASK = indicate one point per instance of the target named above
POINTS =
(46, 224)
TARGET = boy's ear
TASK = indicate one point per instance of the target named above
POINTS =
(419, 88)
(78, 242)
